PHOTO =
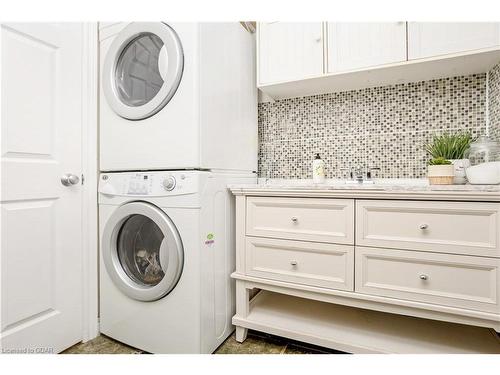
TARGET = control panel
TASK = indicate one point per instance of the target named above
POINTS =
(140, 184)
(149, 183)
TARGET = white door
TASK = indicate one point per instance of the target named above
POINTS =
(427, 39)
(365, 44)
(289, 51)
(41, 224)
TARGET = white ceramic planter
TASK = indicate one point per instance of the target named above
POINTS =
(460, 165)
(441, 174)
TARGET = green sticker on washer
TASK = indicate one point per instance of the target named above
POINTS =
(210, 239)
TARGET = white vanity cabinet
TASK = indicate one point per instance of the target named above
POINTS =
(289, 51)
(364, 44)
(431, 39)
(340, 262)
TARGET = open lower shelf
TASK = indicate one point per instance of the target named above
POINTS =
(355, 330)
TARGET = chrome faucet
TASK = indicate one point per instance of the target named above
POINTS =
(358, 175)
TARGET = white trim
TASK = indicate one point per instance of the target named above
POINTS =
(90, 327)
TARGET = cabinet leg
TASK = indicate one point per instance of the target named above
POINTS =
(241, 334)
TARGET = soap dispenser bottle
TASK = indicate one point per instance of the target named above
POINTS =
(318, 170)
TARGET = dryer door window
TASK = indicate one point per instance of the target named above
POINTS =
(138, 78)
(142, 251)
(142, 69)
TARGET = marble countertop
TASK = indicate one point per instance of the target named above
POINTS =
(389, 188)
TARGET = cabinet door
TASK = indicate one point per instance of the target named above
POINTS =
(360, 45)
(289, 51)
(427, 39)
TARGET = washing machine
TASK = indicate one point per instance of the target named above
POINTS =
(177, 96)
(166, 255)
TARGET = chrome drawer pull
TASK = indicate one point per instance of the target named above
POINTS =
(293, 263)
(295, 219)
(423, 277)
(424, 226)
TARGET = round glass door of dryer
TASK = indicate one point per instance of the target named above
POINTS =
(142, 251)
(142, 69)
(138, 78)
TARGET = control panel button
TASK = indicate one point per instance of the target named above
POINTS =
(169, 183)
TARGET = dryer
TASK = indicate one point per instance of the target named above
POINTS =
(177, 96)
(167, 252)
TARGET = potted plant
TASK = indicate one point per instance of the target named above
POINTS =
(452, 147)
(441, 171)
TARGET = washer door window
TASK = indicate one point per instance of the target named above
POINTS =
(142, 69)
(138, 246)
(142, 251)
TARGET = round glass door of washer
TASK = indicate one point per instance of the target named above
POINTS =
(138, 248)
(142, 69)
(142, 251)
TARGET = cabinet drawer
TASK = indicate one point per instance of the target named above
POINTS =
(444, 279)
(310, 263)
(456, 227)
(307, 219)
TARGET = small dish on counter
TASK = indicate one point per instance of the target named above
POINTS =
(484, 174)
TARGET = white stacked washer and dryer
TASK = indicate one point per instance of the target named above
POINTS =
(178, 123)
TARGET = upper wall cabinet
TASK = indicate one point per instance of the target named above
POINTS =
(364, 44)
(289, 51)
(429, 39)
(300, 59)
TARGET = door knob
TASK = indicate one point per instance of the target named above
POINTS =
(69, 179)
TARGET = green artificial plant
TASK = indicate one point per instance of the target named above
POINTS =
(449, 146)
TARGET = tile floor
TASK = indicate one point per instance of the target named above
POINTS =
(256, 343)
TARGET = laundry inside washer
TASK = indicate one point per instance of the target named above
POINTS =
(139, 243)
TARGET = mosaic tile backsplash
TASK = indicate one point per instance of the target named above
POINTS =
(494, 101)
(385, 127)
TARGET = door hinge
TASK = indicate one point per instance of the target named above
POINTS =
(83, 179)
